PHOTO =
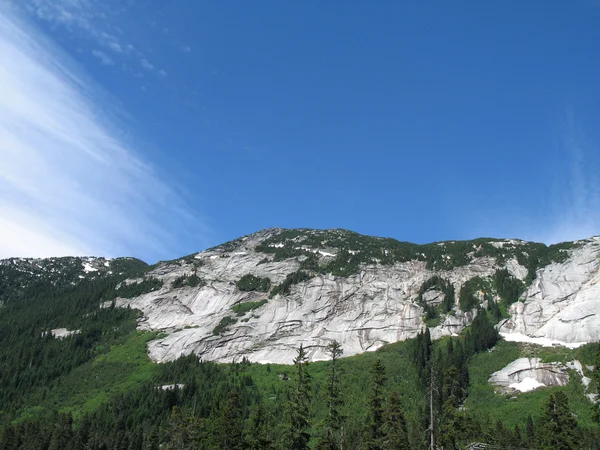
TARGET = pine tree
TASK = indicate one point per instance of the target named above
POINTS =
(375, 432)
(333, 421)
(483, 333)
(184, 430)
(63, 432)
(530, 431)
(596, 379)
(298, 407)
(229, 430)
(395, 425)
(452, 395)
(259, 437)
(557, 425)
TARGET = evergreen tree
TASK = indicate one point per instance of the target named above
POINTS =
(452, 395)
(529, 431)
(228, 432)
(596, 379)
(422, 355)
(333, 420)
(484, 335)
(259, 436)
(298, 408)
(395, 425)
(375, 431)
(63, 433)
(184, 431)
(557, 426)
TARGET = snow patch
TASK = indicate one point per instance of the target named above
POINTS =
(528, 384)
(170, 387)
(542, 341)
(61, 333)
(87, 268)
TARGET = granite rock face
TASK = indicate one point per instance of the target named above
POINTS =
(563, 302)
(377, 304)
(526, 374)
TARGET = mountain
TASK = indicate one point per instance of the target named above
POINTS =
(78, 337)
(260, 296)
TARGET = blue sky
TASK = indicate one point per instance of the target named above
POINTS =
(137, 128)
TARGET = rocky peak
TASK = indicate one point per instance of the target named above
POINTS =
(262, 295)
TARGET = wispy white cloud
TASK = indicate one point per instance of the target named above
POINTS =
(574, 202)
(115, 47)
(71, 181)
(186, 49)
(146, 64)
(92, 19)
(103, 57)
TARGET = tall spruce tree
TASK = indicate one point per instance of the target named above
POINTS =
(259, 435)
(184, 431)
(63, 432)
(529, 431)
(452, 395)
(596, 379)
(333, 421)
(557, 426)
(297, 434)
(396, 432)
(375, 431)
(230, 425)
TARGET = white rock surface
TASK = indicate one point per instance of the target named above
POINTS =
(525, 374)
(363, 311)
(61, 333)
(563, 302)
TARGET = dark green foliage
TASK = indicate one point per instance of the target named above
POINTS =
(31, 360)
(239, 405)
(596, 383)
(228, 429)
(396, 432)
(62, 433)
(242, 308)
(354, 249)
(253, 283)
(508, 287)
(297, 433)
(130, 290)
(468, 293)
(184, 430)
(291, 279)
(529, 432)
(452, 395)
(432, 313)
(557, 426)
(422, 355)
(494, 310)
(334, 418)
(375, 432)
(223, 325)
(259, 435)
(188, 280)
(483, 334)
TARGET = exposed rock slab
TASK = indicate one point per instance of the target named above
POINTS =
(563, 302)
(526, 374)
(363, 312)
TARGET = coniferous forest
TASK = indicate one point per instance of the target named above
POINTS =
(96, 388)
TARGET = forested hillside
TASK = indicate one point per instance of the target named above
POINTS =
(75, 374)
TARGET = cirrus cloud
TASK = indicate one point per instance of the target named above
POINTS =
(72, 180)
